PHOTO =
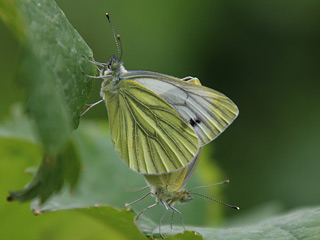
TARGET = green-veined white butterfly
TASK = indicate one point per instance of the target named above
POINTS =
(168, 188)
(159, 122)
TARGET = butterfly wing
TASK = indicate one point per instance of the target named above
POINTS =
(147, 132)
(207, 111)
(190, 170)
(169, 182)
(175, 181)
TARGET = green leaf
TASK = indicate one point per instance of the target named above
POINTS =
(17, 126)
(104, 181)
(300, 224)
(118, 220)
(54, 170)
(187, 235)
(51, 68)
(9, 14)
(57, 90)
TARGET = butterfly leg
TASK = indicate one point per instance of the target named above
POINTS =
(143, 197)
(171, 219)
(177, 211)
(94, 62)
(166, 207)
(91, 106)
(89, 76)
(151, 206)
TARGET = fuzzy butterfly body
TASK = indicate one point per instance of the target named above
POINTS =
(159, 122)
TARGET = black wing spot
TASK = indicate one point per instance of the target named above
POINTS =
(187, 79)
(194, 122)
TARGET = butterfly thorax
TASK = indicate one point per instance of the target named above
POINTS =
(111, 75)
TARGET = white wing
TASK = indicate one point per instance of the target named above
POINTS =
(207, 111)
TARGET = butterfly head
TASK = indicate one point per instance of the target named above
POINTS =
(185, 196)
(114, 67)
(114, 64)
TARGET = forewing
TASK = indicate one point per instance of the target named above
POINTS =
(147, 132)
(207, 111)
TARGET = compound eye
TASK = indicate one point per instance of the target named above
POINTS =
(115, 66)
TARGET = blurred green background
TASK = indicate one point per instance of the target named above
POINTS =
(264, 55)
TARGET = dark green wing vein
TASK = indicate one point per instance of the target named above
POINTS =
(147, 132)
(224, 105)
(214, 115)
(207, 112)
(152, 156)
(157, 117)
(136, 159)
(136, 143)
(132, 159)
(144, 133)
(135, 104)
(171, 125)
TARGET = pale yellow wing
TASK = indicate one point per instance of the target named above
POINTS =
(147, 132)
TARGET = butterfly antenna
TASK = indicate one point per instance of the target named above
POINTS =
(226, 204)
(114, 35)
(224, 182)
(120, 43)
